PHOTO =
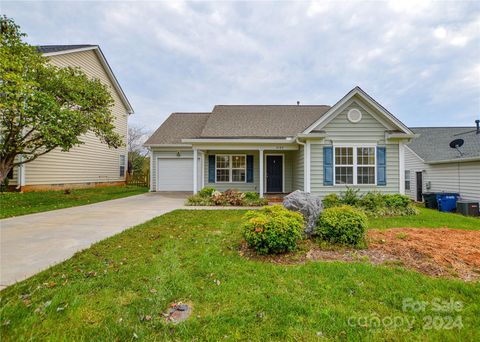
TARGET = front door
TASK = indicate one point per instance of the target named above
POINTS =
(274, 173)
(419, 187)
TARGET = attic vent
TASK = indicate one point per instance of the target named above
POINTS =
(354, 115)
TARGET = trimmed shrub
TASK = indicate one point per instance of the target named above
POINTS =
(343, 225)
(252, 196)
(272, 229)
(331, 200)
(206, 192)
(199, 200)
(372, 201)
(350, 196)
(397, 200)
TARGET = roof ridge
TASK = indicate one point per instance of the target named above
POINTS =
(270, 105)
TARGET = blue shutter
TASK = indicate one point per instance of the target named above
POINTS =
(327, 165)
(381, 166)
(211, 168)
(249, 169)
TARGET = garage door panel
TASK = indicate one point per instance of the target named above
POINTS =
(175, 175)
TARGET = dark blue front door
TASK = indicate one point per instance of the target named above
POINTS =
(274, 173)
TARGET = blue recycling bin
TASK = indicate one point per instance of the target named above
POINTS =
(447, 201)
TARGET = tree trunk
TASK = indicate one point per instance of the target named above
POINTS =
(5, 167)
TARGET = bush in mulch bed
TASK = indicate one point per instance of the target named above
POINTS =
(231, 197)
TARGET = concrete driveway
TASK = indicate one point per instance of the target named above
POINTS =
(31, 243)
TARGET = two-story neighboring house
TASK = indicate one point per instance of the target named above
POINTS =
(90, 164)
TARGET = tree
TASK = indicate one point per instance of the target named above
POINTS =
(44, 107)
(136, 152)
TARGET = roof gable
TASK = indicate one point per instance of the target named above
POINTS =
(54, 50)
(373, 107)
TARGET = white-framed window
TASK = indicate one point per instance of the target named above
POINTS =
(355, 165)
(407, 179)
(122, 165)
(230, 168)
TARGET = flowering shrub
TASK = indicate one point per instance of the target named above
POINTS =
(343, 225)
(210, 196)
(272, 229)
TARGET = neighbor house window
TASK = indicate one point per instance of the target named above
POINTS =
(407, 179)
(355, 165)
(231, 168)
(122, 165)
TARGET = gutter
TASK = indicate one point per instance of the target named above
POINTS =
(454, 160)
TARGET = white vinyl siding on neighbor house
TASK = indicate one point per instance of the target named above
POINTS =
(366, 133)
(93, 161)
(463, 178)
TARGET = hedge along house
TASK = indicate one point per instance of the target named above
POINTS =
(90, 164)
(278, 149)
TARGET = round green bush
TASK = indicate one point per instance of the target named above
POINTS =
(272, 229)
(206, 192)
(331, 200)
(343, 225)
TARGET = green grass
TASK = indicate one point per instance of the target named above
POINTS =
(15, 203)
(103, 292)
(427, 218)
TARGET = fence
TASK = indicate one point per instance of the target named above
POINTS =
(138, 179)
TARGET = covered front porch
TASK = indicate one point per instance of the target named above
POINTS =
(266, 170)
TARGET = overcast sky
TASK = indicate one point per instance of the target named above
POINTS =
(419, 60)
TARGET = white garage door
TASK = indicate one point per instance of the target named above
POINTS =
(175, 175)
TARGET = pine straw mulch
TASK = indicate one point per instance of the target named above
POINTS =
(450, 253)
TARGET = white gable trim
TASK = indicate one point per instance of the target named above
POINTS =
(333, 111)
(415, 154)
(105, 65)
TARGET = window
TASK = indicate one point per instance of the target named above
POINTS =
(355, 165)
(343, 165)
(366, 165)
(231, 168)
(407, 179)
(122, 165)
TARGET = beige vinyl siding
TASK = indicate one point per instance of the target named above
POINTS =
(463, 178)
(167, 153)
(92, 161)
(339, 131)
(298, 169)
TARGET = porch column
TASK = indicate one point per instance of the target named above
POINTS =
(260, 160)
(195, 171)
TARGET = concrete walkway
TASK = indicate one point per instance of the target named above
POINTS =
(31, 243)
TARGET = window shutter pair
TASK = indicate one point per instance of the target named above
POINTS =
(328, 166)
(211, 169)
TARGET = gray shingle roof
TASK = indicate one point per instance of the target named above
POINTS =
(57, 48)
(261, 120)
(432, 144)
(178, 126)
(238, 121)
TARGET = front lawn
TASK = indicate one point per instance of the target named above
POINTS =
(428, 218)
(118, 289)
(15, 203)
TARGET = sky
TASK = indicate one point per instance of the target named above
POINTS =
(420, 60)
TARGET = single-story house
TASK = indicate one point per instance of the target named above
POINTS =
(281, 148)
(443, 159)
(90, 164)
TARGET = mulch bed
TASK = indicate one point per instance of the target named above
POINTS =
(450, 253)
